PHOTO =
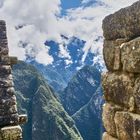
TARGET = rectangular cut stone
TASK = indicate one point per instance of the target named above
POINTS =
(3, 35)
(8, 110)
(4, 50)
(127, 126)
(6, 81)
(118, 88)
(5, 60)
(2, 30)
(108, 137)
(108, 115)
(13, 60)
(5, 70)
(11, 133)
(7, 120)
(130, 56)
(7, 92)
(7, 101)
(23, 119)
(124, 23)
(112, 54)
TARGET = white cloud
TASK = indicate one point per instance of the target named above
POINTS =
(38, 19)
(86, 23)
(41, 22)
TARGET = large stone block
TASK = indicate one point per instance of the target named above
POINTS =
(4, 50)
(136, 93)
(5, 60)
(130, 56)
(10, 91)
(127, 126)
(7, 92)
(123, 24)
(108, 137)
(5, 70)
(2, 30)
(112, 54)
(118, 88)
(6, 81)
(11, 133)
(8, 101)
(8, 110)
(108, 115)
(7, 120)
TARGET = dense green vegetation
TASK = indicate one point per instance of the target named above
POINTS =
(80, 89)
(47, 118)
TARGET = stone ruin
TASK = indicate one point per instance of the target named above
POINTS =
(9, 117)
(121, 84)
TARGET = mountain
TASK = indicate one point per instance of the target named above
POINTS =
(80, 89)
(88, 118)
(69, 56)
(47, 120)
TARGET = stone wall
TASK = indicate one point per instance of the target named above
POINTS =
(9, 117)
(121, 84)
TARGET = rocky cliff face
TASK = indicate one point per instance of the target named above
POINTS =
(121, 112)
(80, 89)
(82, 99)
(88, 118)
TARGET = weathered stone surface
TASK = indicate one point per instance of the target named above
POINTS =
(3, 51)
(121, 85)
(8, 101)
(123, 24)
(108, 137)
(11, 133)
(23, 119)
(6, 92)
(130, 56)
(6, 81)
(13, 60)
(5, 60)
(11, 119)
(127, 126)
(7, 110)
(112, 54)
(136, 93)
(108, 115)
(10, 91)
(118, 88)
(5, 70)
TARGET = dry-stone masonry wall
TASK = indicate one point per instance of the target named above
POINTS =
(9, 117)
(121, 84)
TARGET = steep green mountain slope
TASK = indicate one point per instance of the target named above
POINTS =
(80, 89)
(88, 118)
(47, 118)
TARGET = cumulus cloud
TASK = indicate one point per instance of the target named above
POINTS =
(30, 22)
(38, 21)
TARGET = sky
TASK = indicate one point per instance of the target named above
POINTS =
(31, 23)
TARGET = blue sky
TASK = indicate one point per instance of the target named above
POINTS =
(70, 4)
(65, 5)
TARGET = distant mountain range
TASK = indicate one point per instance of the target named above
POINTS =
(74, 85)
(47, 120)
(80, 89)
(68, 59)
